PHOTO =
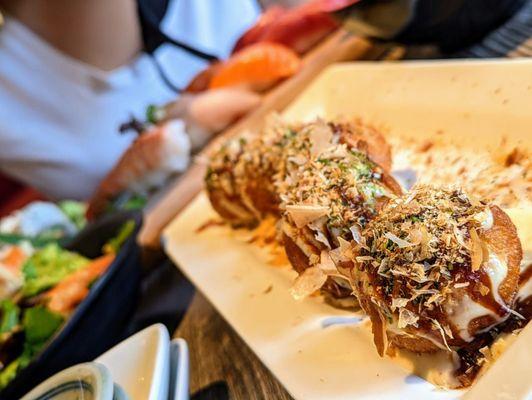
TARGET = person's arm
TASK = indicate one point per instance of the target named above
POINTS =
(102, 33)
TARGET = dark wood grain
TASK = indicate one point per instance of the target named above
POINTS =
(222, 365)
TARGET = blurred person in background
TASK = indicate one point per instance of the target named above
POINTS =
(453, 28)
(71, 71)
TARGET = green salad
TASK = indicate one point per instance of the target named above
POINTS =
(48, 266)
(53, 282)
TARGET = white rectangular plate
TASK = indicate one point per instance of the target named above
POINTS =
(472, 102)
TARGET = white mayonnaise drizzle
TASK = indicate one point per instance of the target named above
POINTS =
(466, 310)
(487, 223)
(497, 271)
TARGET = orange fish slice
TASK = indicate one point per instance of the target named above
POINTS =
(258, 67)
(14, 258)
(71, 291)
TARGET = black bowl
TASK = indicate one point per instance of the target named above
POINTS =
(98, 322)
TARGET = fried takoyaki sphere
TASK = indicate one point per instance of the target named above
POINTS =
(243, 174)
(365, 138)
(240, 193)
(435, 268)
(327, 201)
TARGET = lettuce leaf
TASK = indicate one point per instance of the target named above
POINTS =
(75, 211)
(39, 325)
(51, 235)
(47, 267)
(9, 372)
(114, 244)
(10, 316)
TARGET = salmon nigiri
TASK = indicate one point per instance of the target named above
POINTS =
(163, 150)
(257, 67)
(299, 28)
(156, 153)
(202, 80)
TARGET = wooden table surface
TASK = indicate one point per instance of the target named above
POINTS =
(221, 365)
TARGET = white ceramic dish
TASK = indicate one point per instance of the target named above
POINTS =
(317, 351)
(145, 366)
(84, 381)
(179, 370)
(140, 364)
(497, 383)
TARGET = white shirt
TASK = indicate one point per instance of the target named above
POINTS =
(59, 117)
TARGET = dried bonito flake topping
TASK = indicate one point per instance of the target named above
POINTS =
(342, 184)
(258, 164)
(242, 174)
(425, 251)
(304, 214)
(249, 177)
(502, 177)
(311, 280)
(406, 317)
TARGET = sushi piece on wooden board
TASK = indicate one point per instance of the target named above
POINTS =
(267, 52)
(162, 151)
(259, 67)
(153, 155)
(299, 28)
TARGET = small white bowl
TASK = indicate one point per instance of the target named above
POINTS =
(179, 370)
(88, 381)
(140, 364)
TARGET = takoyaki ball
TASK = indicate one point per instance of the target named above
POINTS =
(222, 186)
(364, 137)
(243, 174)
(327, 202)
(435, 268)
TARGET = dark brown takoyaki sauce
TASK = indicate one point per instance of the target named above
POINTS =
(526, 275)
(470, 354)
(479, 280)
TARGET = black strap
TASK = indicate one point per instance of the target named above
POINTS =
(456, 24)
(151, 13)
